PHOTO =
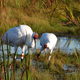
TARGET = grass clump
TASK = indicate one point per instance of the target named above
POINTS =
(39, 75)
(73, 76)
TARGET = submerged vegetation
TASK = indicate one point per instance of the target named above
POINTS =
(56, 16)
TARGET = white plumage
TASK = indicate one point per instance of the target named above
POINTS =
(22, 36)
(48, 40)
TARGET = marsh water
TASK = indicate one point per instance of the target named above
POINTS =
(66, 44)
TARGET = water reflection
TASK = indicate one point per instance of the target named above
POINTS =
(64, 43)
(67, 44)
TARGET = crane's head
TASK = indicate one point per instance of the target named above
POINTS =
(46, 45)
(35, 36)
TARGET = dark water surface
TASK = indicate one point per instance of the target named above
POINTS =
(66, 44)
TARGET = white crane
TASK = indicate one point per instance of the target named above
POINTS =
(47, 40)
(22, 36)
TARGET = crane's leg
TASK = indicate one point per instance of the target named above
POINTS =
(22, 56)
(15, 51)
(50, 55)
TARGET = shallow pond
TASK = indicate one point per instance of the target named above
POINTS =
(66, 44)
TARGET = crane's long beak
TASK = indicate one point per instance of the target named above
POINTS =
(35, 43)
(45, 50)
(38, 55)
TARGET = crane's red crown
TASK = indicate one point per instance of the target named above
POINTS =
(45, 46)
(36, 36)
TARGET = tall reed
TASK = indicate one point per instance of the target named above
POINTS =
(4, 65)
(76, 53)
(0, 64)
(28, 63)
(8, 57)
(28, 66)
